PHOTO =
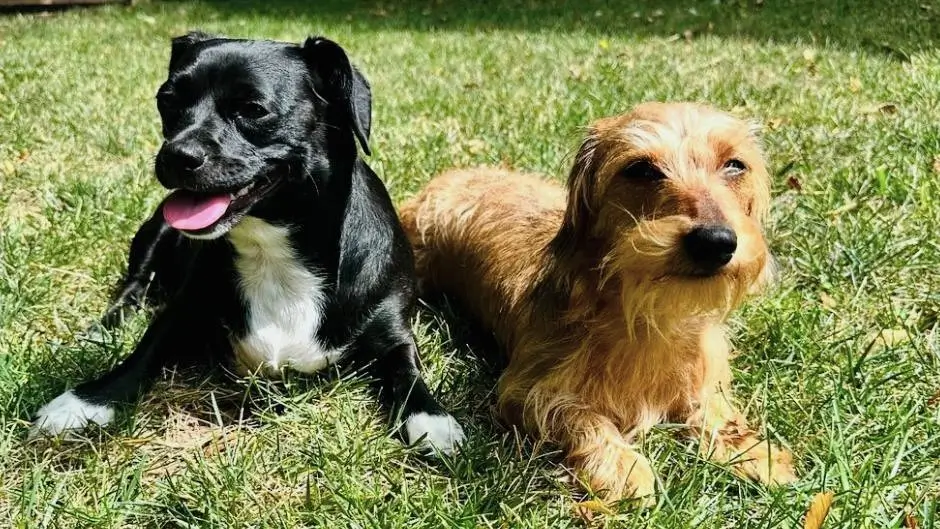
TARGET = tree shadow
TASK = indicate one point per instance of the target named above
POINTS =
(894, 28)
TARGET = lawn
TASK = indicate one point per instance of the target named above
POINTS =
(839, 360)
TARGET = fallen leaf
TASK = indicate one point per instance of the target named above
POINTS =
(855, 84)
(476, 146)
(776, 123)
(23, 156)
(827, 301)
(883, 108)
(889, 338)
(936, 164)
(934, 401)
(910, 521)
(794, 183)
(809, 55)
(818, 509)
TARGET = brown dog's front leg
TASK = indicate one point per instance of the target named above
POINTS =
(600, 455)
(725, 437)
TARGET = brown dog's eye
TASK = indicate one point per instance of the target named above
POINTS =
(252, 110)
(734, 168)
(642, 170)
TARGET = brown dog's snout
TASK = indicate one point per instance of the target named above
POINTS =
(710, 246)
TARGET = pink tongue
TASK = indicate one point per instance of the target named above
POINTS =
(187, 211)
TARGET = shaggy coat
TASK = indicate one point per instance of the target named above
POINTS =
(612, 319)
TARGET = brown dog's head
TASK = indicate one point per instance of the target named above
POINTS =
(672, 197)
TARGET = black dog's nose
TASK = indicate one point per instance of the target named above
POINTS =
(185, 157)
(710, 246)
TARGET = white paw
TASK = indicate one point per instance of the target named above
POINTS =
(69, 412)
(434, 432)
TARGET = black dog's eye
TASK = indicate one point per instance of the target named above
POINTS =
(251, 110)
(642, 170)
(734, 167)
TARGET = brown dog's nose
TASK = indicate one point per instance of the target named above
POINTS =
(710, 246)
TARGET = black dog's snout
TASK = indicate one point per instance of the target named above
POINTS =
(185, 157)
(710, 246)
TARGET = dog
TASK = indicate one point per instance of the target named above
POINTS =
(278, 248)
(610, 298)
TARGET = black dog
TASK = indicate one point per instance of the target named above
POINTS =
(278, 247)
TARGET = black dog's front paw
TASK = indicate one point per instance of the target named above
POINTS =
(69, 412)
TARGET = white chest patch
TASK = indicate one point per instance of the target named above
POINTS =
(285, 303)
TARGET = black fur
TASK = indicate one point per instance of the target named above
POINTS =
(342, 221)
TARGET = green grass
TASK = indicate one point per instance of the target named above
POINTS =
(488, 83)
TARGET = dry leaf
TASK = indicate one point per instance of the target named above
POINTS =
(476, 146)
(855, 84)
(883, 108)
(818, 509)
(934, 401)
(936, 165)
(827, 301)
(909, 521)
(892, 337)
(794, 183)
(776, 123)
(809, 55)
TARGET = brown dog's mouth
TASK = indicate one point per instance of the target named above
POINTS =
(196, 211)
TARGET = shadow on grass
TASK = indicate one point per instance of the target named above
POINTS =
(894, 28)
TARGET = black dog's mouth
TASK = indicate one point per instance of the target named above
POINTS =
(200, 212)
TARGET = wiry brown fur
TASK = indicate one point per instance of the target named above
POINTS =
(607, 330)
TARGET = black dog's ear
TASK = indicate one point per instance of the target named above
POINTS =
(341, 85)
(179, 45)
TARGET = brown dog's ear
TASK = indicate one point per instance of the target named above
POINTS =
(341, 85)
(582, 185)
(180, 45)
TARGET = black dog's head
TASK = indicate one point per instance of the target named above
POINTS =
(242, 117)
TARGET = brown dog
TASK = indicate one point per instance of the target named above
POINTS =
(611, 303)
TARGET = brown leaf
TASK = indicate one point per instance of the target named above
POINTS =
(934, 401)
(882, 108)
(818, 510)
(794, 183)
(936, 164)
(910, 521)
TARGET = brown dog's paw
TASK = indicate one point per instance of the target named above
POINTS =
(623, 474)
(766, 463)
